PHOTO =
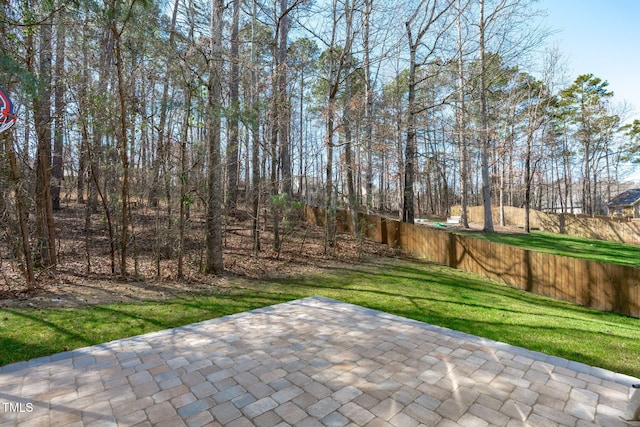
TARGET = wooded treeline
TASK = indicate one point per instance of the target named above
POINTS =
(247, 106)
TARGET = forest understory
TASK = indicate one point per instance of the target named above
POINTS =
(83, 274)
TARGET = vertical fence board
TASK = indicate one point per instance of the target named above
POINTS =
(468, 255)
(547, 279)
(489, 259)
(631, 290)
(532, 273)
(601, 291)
(566, 284)
(384, 234)
(414, 237)
(541, 275)
(425, 243)
(483, 254)
(443, 247)
(584, 275)
(373, 227)
(535, 274)
(598, 294)
(462, 252)
(622, 298)
(496, 261)
(517, 264)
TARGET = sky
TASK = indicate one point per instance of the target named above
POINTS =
(601, 37)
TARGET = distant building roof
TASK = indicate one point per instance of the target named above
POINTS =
(628, 198)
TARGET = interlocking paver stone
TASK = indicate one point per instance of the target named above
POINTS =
(335, 419)
(200, 419)
(356, 413)
(323, 407)
(310, 362)
(160, 411)
(259, 407)
(287, 394)
(347, 394)
(243, 400)
(268, 419)
(203, 389)
(225, 412)
(195, 408)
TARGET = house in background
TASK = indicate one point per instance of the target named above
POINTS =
(626, 204)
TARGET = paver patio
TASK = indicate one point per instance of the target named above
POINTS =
(310, 362)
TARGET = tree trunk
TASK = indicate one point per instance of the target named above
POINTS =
(255, 170)
(284, 116)
(275, 129)
(183, 180)
(330, 214)
(527, 189)
(368, 107)
(234, 88)
(124, 151)
(302, 163)
(83, 156)
(42, 114)
(337, 60)
(461, 125)
(14, 177)
(57, 171)
(215, 263)
(348, 152)
(275, 208)
(83, 115)
(484, 132)
(408, 209)
(255, 140)
(432, 14)
(162, 150)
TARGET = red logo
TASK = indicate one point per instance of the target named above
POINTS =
(7, 118)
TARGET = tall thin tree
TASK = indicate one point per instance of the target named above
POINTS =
(424, 18)
(42, 114)
(234, 113)
(484, 127)
(215, 264)
(57, 172)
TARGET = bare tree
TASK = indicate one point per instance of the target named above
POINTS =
(502, 34)
(233, 119)
(42, 114)
(116, 32)
(255, 137)
(347, 126)
(17, 181)
(284, 113)
(59, 107)
(215, 263)
(336, 61)
(461, 114)
(425, 17)
(484, 128)
(368, 102)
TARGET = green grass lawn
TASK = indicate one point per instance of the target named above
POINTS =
(414, 289)
(569, 246)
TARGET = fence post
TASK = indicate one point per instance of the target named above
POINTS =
(452, 243)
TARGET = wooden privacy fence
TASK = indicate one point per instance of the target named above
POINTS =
(606, 287)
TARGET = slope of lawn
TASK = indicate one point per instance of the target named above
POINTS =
(569, 246)
(421, 291)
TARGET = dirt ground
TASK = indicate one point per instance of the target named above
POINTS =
(83, 275)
